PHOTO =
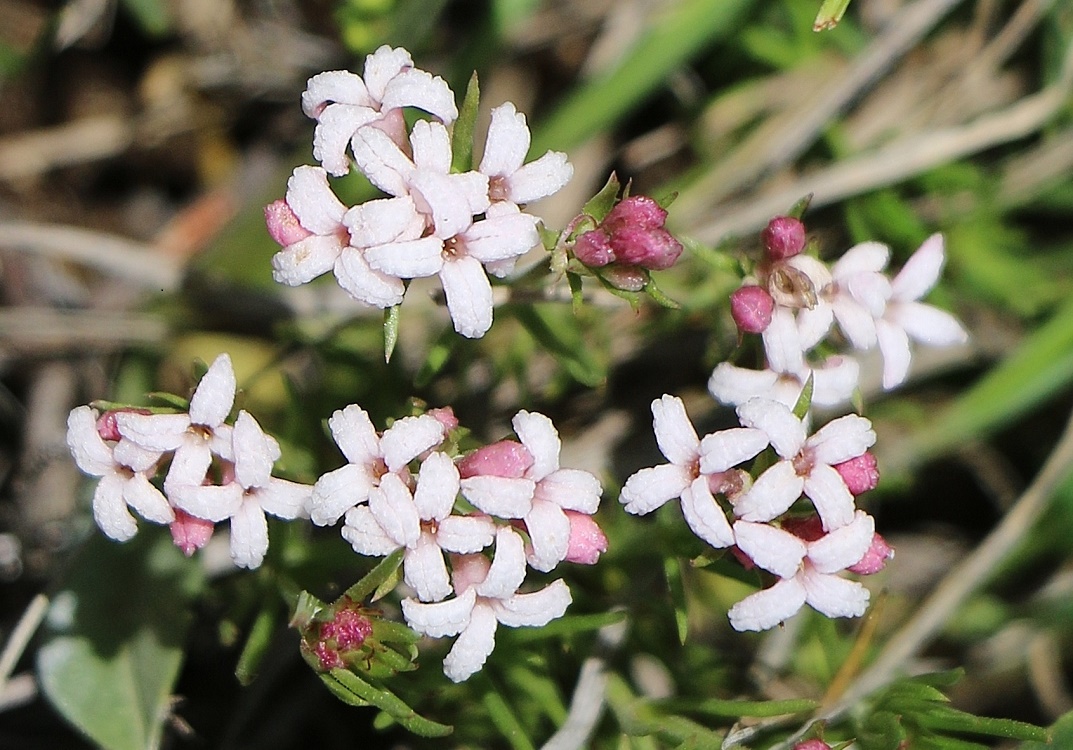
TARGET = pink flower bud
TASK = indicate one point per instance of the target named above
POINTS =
(626, 278)
(587, 540)
(594, 249)
(812, 745)
(860, 474)
(445, 415)
(189, 532)
(108, 425)
(506, 458)
(637, 211)
(784, 237)
(751, 308)
(655, 249)
(875, 559)
(283, 225)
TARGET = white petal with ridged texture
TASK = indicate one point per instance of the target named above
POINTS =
(508, 566)
(783, 428)
(842, 439)
(828, 493)
(834, 596)
(465, 534)
(365, 534)
(394, 510)
(215, 394)
(549, 535)
(91, 453)
(306, 259)
(340, 86)
(650, 488)
(338, 491)
(507, 143)
(140, 494)
(425, 571)
(727, 448)
(571, 489)
(473, 646)
(766, 609)
(772, 493)
(249, 535)
(541, 439)
(110, 509)
(502, 497)
(417, 88)
(437, 487)
(540, 178)
(442, 618)
(469, 296)
(771, 548)
(536, 608)
(675, 435)
(409, 437)
(704, 515)
(844, 546)
(355, 435)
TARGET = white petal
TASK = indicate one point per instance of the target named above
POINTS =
(473, 646)
(841, 439)
(727, 448)
(130, 454)
(856, 322)
(921, 271)
(336, 126)
(782, 344)
(425, 571)
(834, 381)
(541, 439)
(827, 491)
(499, 496)
(540, 178)
(416, 88)
(814, 268)
(284, 499)
(865, 257)
(110, 509)
(469, 296)
(549, 534)
(442, 618)
(379, 159)
(306, 259)
(571, 489)
(834, 596)
(704, 515)
(154, 432)
(499, 238)
(90, 452)
(675, 435)
(814, 323)
(382, 66)
(928, 325)
(394, 510)
(465, 534)
(409, 437)
(255, 452)
(380, 222)
(894, 344)
(333, 86)
(508, 566)
(871, 290)
(338, 491)
(189, 464)
(771, 548)
(650, 488)
(355, 435)
(431, 146)
(438, 195)
(140, 494)
(365, 534)
(766, 609)
(249, 535)
(366, 284)
(209, 502)
(844, 546)
(772, 494)
(534, 609)
(736, 385)
(507, 143)
(437, 487)
(311, 198)
(411, 259)
(782, 427)
(215, 394)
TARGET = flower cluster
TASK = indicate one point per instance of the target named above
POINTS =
(805, 554)
(399, 490)
(215, 471)
(794, 300)
(509, 488)
(458, 226)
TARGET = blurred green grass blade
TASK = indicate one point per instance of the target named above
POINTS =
(152, 15)
(674, 37)
(257, 643)
(506, 721)
(1040, 367)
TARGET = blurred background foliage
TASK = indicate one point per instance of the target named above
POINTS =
(139, 140)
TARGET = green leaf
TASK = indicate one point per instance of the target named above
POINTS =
(462, 135)
(376, 577)
(152, 15)
(736, 709)
(599, 205)
(390, 704)
(1061, 735)
(804, 401)
(257, 643)
(113, 645)
(672, 569)
(577, 294)
(501, 714)
(830, 14)
(563, 341)
(797, 211)
(439, 354)
(391, 330)
(658, 296)
(568, 625)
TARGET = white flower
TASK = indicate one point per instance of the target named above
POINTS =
(856, 296)
(370, 457)
(194, 436)
(121, 484)
(807, 463)
(906, 318)
(421, 523)
(541, 495)
(833, 381)
(692, 460)
(343, 103)
(807, 572)
(505, 150)
(245, 500)
(485, 596)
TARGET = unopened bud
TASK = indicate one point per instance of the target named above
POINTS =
(784, 237)
(445, 415)
(594, 249)
(654, 249)
(751, 307)
(812, 745)
(860, 474)
(637, 211)
(190, 533)
(507, 458)
(108, 425)
(587, 539)
(283, 224)
(875, 559)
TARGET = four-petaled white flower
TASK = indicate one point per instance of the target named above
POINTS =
(541, 495)
(486, 595)
(121, 483)
(505, 149)
(421, 523)
(194, 436)
(905, 317)
(370, 456)
(344, 103)
(856, 297)
(806, 571)
(692, 461)
(252, 492)
(806, 465)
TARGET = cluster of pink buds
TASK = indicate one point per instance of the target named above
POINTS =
(630, 236)
(793, 299)
(339, 640)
